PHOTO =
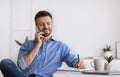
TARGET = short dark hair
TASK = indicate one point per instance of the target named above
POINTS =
(42, 14)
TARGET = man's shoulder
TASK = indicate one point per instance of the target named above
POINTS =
(29, 42)
(60, 42)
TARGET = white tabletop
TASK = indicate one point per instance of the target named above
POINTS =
(78, 74)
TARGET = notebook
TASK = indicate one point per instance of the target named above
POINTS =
(102, 72)
(72, 69)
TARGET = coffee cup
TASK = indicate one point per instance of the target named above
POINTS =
(97, 64)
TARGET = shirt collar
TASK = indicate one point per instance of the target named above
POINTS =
(51, 39)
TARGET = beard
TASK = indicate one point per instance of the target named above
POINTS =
(46, 32)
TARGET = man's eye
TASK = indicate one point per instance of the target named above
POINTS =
(40, 24)
(48, 23)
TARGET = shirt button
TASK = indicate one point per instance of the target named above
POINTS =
(39, 66)
(44, 49)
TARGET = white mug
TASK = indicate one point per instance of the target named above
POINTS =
(97, 64)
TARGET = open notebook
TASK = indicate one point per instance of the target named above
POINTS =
(102, 72)
(72, 69)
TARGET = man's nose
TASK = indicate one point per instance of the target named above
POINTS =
(46, 26)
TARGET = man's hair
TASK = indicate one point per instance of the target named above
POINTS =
(42, 14)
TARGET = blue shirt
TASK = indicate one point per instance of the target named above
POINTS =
(50, 56)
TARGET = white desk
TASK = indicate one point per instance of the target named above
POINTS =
(78, 74)
(115, 66)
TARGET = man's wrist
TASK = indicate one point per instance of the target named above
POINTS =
(75, 64)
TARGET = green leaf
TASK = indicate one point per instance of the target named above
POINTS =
(109, 59)
(19, 43)
(26, 39)
(107, 48)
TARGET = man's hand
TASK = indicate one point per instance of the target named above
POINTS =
(39, 36)
(80, 64)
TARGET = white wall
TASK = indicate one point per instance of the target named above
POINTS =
(5, 22)
(5, 18)
(84, 25)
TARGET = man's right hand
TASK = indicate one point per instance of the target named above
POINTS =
(39, 36)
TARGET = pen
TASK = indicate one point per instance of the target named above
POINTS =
(78, 60)
(78, 57)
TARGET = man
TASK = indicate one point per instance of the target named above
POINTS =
(42, 56)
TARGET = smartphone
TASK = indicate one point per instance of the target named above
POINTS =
(39, 30)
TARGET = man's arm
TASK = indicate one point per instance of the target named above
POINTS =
(28, 58)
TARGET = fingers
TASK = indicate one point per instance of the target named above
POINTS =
(39, 36)
(81, 65)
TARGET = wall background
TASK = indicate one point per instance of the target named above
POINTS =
(84, 25)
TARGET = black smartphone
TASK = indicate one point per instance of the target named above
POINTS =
(39, 30)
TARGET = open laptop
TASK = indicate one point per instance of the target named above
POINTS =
(102, 72)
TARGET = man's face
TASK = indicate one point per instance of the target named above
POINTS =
(44, 24)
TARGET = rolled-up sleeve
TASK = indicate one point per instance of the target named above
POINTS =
(23, 51)
(68, 55)
(22, 64)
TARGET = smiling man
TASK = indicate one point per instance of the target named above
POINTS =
(42, 56)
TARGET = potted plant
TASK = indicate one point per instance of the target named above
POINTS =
(19, 43)
(109, 59)
(107, 51)
(108, 64)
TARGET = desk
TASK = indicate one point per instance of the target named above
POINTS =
(78, 74)
(115, 66)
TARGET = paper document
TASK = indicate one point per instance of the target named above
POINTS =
(72, 69)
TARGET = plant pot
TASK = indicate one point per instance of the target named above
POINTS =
(107, 53)
(107, 66)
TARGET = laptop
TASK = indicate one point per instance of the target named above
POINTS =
(102, 72)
